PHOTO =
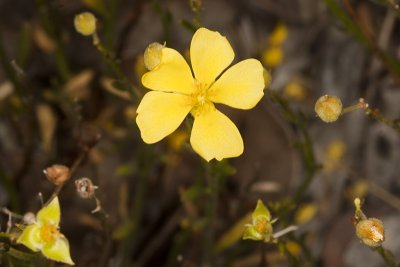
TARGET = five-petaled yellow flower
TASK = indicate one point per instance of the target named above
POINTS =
(176, 93)
(44, 235)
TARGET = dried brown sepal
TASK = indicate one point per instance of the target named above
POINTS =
(57, 174)
(85, 188)
(88, 136)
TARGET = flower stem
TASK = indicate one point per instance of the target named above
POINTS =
(213, 179)
(75, 165)
(387, 256)
(114, 65)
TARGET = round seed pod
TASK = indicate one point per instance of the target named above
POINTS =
(328, 108)
(57, 174)
(85, 23)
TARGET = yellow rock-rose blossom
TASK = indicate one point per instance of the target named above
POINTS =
(176, 93)
(44, 235)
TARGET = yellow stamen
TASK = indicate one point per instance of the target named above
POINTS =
(49, 233)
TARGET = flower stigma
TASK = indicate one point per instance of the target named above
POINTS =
(200, 99)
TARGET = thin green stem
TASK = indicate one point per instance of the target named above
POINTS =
(72, 170)
(387, 256)
(305, 145)
(130, 240)
(8, 184)
(49, 25)
(377, 115)
(212, 205)
(114, 65)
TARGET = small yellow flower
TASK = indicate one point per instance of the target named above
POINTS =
(44, 235)
(85, 23)
(261, 227)
(176, 93)
(279, 35)
(273, 56)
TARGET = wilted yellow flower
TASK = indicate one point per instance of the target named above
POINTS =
(328, 108)
(371, 232)
(85, 23)
(44, 235)
(176, 93)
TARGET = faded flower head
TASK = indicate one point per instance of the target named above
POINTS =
(261, 227)
(43, 234)
(176, 93)
(371, 232)
(85, 23)
(328, 108)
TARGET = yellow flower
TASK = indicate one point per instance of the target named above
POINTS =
(176, 93)
(44, 235)
(273, 56)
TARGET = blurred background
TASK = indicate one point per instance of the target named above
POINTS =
(63, 101)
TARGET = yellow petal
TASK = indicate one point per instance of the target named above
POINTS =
(30, 237)
(50, 213)
(173, 74)
(210, 53)
(215, 136)
(58, 251)
(159, 114)
(241, 86)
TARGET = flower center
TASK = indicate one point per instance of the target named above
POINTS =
(49, 233)
(261, 224)
(200, 101)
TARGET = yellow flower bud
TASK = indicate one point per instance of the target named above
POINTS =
(279, 35)
(370, 232)
(153, 55)
(57, 174)
(273, 56)
(85, 23)
(328, 108)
